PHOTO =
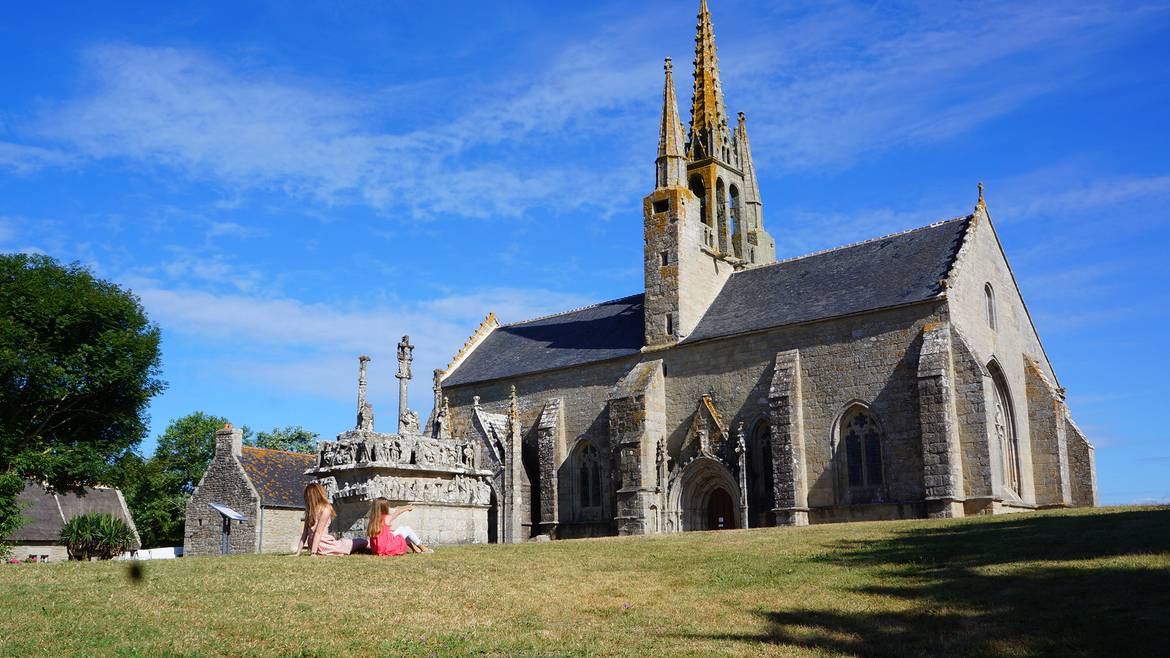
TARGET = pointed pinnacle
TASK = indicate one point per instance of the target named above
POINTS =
(708, 114)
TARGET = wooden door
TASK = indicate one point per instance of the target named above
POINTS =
(720, 511)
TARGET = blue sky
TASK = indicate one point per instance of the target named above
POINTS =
(286, 188)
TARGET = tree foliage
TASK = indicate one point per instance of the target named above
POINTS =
(96, 535)
(186, 448)
(292, 438)
(79, 361)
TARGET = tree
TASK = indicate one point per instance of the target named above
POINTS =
(157, 489)
(79, 361)
(185, 449)
(158, 513)
(96, 535)
(290, 439)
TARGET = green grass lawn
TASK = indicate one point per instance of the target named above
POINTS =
(1089, 582)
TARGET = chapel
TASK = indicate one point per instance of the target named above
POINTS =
(898, 377)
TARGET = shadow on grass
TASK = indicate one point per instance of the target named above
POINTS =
(968, 589)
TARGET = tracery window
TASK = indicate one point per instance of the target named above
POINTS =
(1004, 426)
(861, 437)
(589, 478)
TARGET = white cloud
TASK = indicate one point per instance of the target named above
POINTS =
(7, 230)
(846, 81)
(23, 159)
(232, 229)
(855, 81)
(182, 109)
(303, 347)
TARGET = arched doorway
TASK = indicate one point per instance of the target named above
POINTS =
(702, 494)
(494, 519)
(720, 510)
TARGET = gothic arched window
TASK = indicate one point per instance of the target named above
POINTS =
(860, 447)
(589, 478)
(721, 211)
(989, 304)
(759, 475)
(733, 194)
(1004, 428)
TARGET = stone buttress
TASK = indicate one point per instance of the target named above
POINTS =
(785, 403)
(637, 425)
(941, 453)
(550, 445)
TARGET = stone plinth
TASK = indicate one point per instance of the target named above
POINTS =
(439, 477)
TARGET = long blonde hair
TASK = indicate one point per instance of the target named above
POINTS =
(379, 510)
(315, 501)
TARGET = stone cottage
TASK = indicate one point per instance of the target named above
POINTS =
(48, 511)
(250, 500)
(898, 377)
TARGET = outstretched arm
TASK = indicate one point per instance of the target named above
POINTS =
(394, 514)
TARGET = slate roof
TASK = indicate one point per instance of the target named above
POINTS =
(880, 273)
(594, 333)
(278, 476)
(890, 271)
(47, 512)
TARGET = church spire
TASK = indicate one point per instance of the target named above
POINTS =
(671, 163)
(751, 242)
(751, 187)
(708, 136)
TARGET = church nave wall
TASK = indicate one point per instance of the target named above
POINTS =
(870, 358)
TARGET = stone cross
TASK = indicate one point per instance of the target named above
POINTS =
(365, 416)
(405, 356)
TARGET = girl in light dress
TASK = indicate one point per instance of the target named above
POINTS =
(383, 540)
(315, 533)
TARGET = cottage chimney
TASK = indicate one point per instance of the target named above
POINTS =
(229, 441)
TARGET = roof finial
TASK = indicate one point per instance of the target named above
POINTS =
(981, 203)
(668, 65)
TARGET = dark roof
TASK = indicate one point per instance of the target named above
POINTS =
(604, 331)
(880, 273)
(890, 271)
(278, 476)
(47, 512)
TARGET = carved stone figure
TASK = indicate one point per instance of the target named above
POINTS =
(408, 423)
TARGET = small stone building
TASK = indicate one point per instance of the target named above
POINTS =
(250, 500)
(48, 511)
(896, 377)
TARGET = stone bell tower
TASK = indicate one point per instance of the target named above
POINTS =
(720, 170)
(704, 218)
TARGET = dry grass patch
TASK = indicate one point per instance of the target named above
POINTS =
(1090, 582)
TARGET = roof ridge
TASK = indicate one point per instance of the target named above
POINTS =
(859, 243)
(574, 310)
(287, 452)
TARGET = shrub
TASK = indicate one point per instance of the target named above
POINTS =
(96, 535)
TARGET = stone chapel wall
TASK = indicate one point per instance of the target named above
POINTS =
(224, 482)
(282, 527)
(871, 358)
(981, 262)
(585, 391)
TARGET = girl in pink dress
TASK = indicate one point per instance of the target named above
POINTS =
(315, 533)
(383, 540)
